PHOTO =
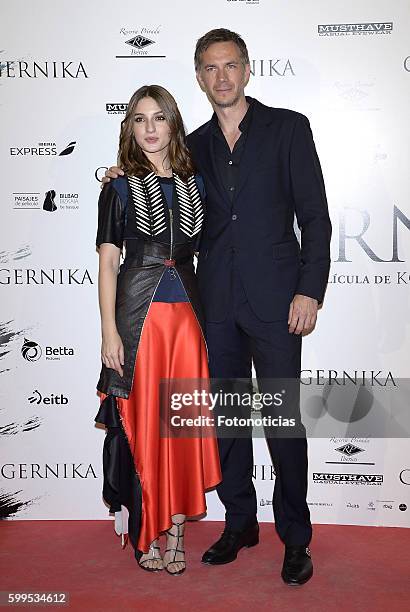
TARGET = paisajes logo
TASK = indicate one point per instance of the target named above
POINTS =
(34, 200)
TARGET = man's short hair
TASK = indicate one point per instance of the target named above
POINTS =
(219, 35)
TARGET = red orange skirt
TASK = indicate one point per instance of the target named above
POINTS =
(174, 473)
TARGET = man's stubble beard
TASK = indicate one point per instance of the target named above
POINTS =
(228, 104)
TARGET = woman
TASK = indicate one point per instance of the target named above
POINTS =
(150, 318)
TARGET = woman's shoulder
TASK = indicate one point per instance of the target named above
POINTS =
(119, 185)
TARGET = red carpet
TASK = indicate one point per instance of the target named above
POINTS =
(356, 569)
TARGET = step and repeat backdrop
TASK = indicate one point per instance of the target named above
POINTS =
(66, 74)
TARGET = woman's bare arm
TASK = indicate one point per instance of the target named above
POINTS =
(112, 350)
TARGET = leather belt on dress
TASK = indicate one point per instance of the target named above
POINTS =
(182, 253)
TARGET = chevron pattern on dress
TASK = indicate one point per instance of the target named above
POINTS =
(191, 212)
(148, 204)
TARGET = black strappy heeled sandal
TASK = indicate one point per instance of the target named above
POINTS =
(153, 556)
(176, 549)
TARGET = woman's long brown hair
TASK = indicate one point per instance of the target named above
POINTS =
(131, 157)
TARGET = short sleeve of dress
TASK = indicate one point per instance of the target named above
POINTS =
(111, 217)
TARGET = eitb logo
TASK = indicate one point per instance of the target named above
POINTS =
(30, 350)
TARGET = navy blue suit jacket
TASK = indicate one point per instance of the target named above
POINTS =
(279, 177)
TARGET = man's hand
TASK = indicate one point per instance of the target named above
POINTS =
(112, 173)
(302, 314)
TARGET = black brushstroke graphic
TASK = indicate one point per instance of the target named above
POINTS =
(6, 337)
(10, 505)
(21, 253)
(11, 429)
(31, 424)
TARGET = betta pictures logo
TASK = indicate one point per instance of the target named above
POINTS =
(31, 351)
(355, 29)
(139, 42)
(43, 149)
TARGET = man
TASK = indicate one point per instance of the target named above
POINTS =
(260, 290)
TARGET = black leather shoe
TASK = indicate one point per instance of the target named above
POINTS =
(230, 543)
(297, 565)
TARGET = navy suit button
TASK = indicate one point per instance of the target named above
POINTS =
(234, 217)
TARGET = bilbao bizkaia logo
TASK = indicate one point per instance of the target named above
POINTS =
(50, 200)
(116, 108)
(32, 351)
(18, 69)
(138, 42)
(53, 399)
(350, 479)
(355, 29)
(43, 149)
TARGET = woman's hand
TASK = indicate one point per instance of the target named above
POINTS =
(112, 351)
